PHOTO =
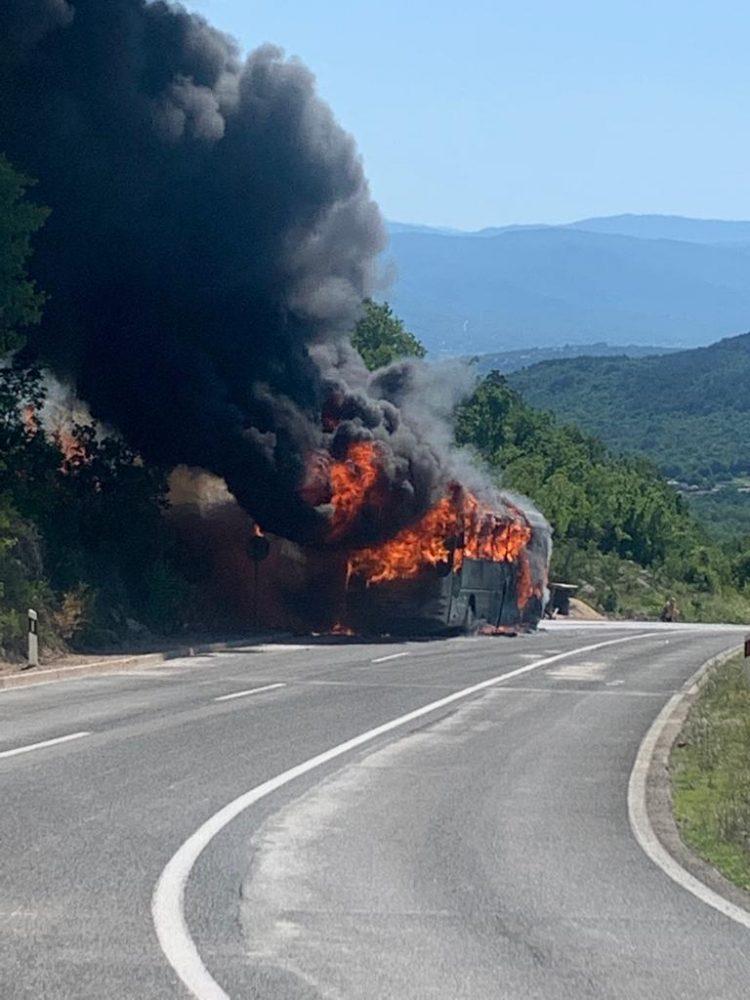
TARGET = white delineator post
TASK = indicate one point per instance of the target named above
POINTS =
(33, 656)
(746, 664)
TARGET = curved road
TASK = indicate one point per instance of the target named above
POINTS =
(480, 849)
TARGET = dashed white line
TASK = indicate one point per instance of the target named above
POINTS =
(167, 904)
(244, 694)
(45, 743)
(393, 656)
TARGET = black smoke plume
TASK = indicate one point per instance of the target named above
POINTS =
(210, 224)
(212, 237)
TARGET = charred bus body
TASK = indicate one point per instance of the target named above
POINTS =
(327, 590)
(456, 595)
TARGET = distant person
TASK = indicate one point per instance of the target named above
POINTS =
(670, 612)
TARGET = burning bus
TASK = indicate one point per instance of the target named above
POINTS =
(235, 305)
(466, 563)
(446, 598)
(462, 566)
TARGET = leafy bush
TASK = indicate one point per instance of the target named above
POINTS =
(82, 538)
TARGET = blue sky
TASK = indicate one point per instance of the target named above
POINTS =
(487, 113)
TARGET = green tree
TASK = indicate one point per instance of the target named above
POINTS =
(741, 564)
(380, 337)
(20, 300)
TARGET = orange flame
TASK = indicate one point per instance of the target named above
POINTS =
(340, 629)
(459, 525)
(353, 483)
(30, 420)
(525, 586)
(72, 448)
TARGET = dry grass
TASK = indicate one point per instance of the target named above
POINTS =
(72, 614)
(711, 774)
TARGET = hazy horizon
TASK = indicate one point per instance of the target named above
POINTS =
(541, 223)
(499, 114)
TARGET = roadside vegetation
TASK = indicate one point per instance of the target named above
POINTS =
(381, 337)
(82, 536)
(710, 768)
(622, 533)
(724, 510)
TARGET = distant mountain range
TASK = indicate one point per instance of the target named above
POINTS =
(625, 280)
(513, 361)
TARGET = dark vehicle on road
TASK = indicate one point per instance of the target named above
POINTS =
(443, 599)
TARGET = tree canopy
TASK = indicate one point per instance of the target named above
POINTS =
(621, 504)
(20, 301)
(688, 411)
(381, 337)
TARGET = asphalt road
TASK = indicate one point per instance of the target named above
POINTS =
(481, 849)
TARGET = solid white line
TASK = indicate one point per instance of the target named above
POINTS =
(45, 743)
(393, 656)
(641, 824)
(243, 694)
(167, 904)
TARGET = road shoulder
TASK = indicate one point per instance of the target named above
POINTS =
(658, 799)
(90, 666)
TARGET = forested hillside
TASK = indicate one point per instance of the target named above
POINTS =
(513, 361)
(621, 532)
(688, 411)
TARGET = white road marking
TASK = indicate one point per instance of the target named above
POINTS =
(45, 743)
(641, 824)
(577, 692)
(158, 674)
(243, 694)
(393, 656)
(167, 904)
(587, 671)
(275, 647)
